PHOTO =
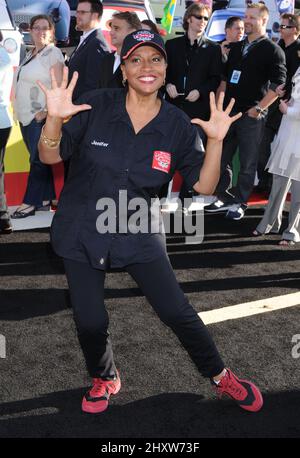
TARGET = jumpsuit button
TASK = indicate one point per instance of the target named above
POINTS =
(101, 261)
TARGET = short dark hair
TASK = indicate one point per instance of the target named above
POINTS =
(293, 19)
(151, 24)
(231, 20)
(1, 36)
(96, 6)
(132, 19)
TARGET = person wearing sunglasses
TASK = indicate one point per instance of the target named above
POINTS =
(194, 69)
(252, 74)
(194, 65)
(290, 43)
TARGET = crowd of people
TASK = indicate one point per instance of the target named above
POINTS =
(246, 65)
(123, 123)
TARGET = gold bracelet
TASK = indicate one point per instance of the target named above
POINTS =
(67, 119)
(49, 142)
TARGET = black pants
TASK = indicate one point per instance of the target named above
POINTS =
(4, 134)
(246, 134)
(185, 191)
(158, 282)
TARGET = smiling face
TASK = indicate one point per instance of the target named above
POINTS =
(41, 32)
(145, 70)
(198, 21)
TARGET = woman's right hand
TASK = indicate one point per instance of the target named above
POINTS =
(59, 98)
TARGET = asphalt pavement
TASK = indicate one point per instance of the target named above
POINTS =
(43, 376)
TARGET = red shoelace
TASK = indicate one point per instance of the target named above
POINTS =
(232, 387)
(101, 387)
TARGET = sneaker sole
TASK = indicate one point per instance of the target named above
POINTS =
(234, 219)
(102, 405)
(219, 210)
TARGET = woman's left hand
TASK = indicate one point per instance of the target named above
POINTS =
(220, 121)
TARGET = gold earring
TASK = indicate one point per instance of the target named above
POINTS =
(124, 81)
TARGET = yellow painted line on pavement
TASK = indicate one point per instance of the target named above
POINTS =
(250, 308)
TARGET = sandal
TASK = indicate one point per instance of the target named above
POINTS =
(285, 242)
(23, 212)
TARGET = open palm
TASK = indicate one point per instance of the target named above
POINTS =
(220, 120)
(59, 98)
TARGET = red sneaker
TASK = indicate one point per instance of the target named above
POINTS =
(96, 399)
(243, 392)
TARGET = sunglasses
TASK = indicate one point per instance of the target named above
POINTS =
(282, 26)
(206, 18)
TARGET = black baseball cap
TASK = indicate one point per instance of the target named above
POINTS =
(142, 38)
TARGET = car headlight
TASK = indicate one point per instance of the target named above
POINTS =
(10, 45)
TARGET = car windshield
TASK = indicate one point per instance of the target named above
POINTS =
(5, 20)
(237, 4)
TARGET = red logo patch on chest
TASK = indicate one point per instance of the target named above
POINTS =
(161, 161)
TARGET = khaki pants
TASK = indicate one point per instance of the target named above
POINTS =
(272, 218)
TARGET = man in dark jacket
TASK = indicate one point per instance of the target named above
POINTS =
(86, 59)
(194, 65)
(254, 70)
(122, 23)
(194, 69)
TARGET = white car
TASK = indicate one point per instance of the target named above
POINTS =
(59, 10)
(12, 39)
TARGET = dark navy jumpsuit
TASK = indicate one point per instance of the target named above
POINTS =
(110, 161)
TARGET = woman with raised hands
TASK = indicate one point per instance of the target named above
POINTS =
(124, 146)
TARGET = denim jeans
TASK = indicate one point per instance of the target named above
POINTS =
(245, 134)
(40, 185)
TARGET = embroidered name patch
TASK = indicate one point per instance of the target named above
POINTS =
(161, 161)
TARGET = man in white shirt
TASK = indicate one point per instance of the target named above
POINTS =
(86, 59)
(121, 25)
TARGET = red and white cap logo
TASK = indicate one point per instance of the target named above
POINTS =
(143, 35)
